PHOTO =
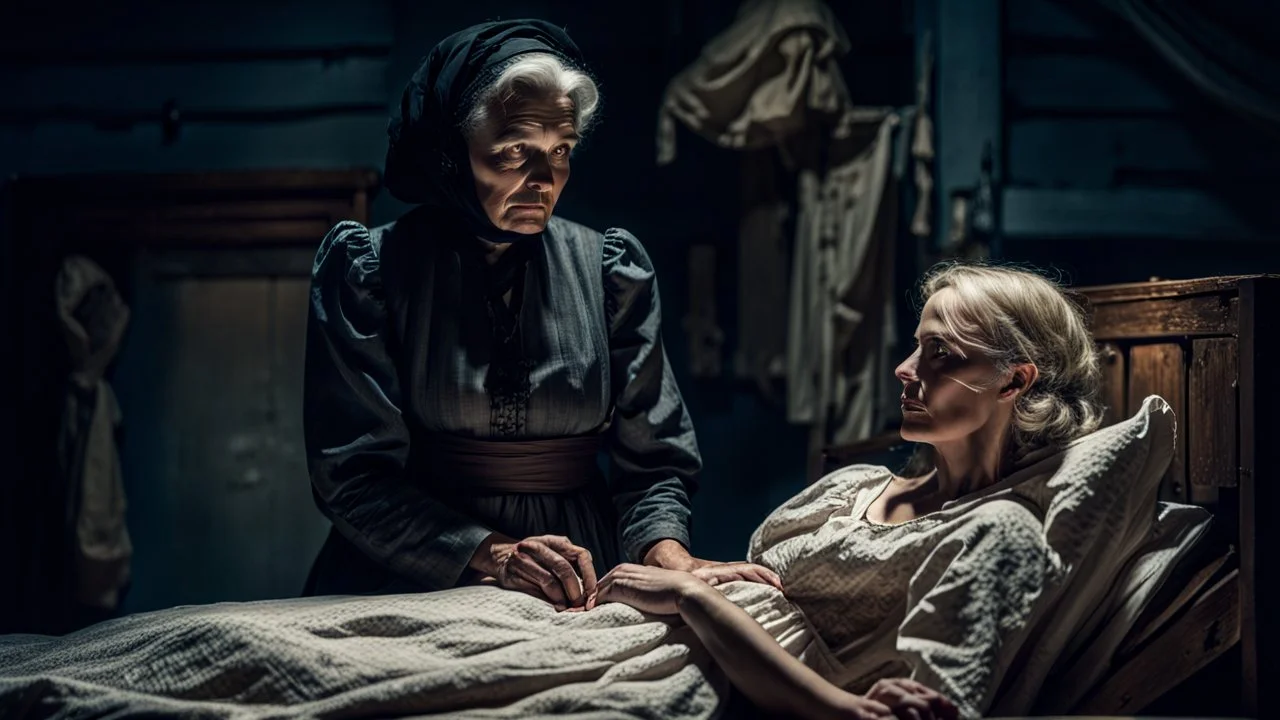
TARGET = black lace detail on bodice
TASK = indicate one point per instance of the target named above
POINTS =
(507, 379)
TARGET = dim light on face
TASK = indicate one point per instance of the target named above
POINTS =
(520, 160)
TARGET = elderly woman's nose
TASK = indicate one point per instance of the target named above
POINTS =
(540, 177)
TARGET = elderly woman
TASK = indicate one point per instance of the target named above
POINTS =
(1004, 371)
(466, 363)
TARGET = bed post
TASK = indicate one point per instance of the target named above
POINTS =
(1259, 424)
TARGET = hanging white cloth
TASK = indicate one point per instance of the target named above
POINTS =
(93, 318)
(772, 80)
(761, 80)
(841, 343)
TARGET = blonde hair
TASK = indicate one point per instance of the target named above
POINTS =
(534, 74)
(1015, 316)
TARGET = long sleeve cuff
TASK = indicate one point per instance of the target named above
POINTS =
(657, 513)
(442, 569)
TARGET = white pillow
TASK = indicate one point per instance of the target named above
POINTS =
(1098, 496)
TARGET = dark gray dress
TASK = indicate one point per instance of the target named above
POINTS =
(405, 342)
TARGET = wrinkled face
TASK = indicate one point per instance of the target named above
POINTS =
(949, 390)
(520, 160)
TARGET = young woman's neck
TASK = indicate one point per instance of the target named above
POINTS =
(971, 463)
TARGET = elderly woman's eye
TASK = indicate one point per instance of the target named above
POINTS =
(513, 152)
(561, 151)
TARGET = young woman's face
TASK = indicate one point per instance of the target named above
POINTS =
(520, 160)
(949, 390)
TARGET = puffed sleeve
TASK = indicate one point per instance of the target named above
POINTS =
(654, 456)
(973, 602)
(357, 442)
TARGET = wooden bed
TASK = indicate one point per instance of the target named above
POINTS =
(1206, 346)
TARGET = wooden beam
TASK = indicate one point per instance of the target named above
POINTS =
(1197, 315)
(1259, 425)
(48, 30)
(1167, 213)
(1114, 383)
(1046, 18)
(969, 85)
(251, 262)
(1039, 83)
(1128, 292)
(1154, 619)
(239, 183)
(244, 86)
(1211, 425)
(1160, 370)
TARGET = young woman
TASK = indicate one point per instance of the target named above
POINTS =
(1004, 369)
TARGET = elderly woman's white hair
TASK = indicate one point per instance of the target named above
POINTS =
(537, 74)
(1016, 316)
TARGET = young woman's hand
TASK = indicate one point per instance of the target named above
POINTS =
(654, 590)
(717, 573)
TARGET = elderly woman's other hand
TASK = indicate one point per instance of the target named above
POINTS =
(550, 567)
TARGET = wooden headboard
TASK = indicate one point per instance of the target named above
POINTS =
(1207, 347)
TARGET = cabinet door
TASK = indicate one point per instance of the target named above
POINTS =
(210, 385)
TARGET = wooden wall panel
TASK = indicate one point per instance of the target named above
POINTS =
(57, 33)
(1159, 369)
(1212, 432)
(1114, 383)
(1169, 317)
(232, 85)
(223, 508)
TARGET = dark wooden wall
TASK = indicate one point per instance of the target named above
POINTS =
(209, 375)
(1116, 167)
(256, 85)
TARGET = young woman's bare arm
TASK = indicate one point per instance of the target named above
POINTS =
(756, 664)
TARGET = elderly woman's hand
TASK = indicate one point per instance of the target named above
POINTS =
(550, 567)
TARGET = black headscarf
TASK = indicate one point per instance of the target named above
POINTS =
(427, 158)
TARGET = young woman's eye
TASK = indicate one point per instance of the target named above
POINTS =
(940, 350)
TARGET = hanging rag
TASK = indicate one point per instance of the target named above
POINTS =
(772, 80)
(761, 80)
(841, 339)
(93, 318)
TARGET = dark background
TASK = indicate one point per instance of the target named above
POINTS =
(1112, 168)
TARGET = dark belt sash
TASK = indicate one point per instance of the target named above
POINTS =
(470, 465)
